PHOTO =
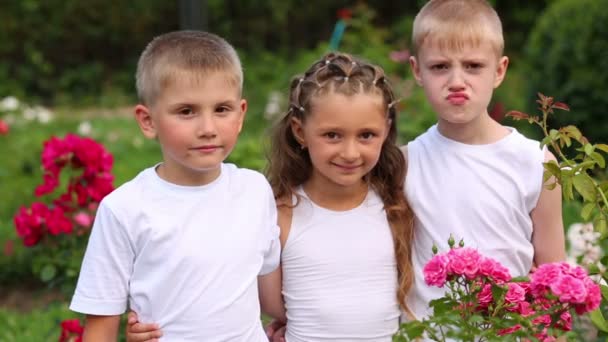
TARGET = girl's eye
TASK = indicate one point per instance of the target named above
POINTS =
(367, 135)
(332, 135)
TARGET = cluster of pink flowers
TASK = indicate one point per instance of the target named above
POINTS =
(546, 299)
(4, 128)
(89, 182)
(71, 331)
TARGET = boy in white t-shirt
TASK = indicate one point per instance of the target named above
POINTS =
(468, 175)
(183, 243)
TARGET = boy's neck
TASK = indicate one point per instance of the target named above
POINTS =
(484, 130)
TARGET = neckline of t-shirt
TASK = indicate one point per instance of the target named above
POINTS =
(366, 200)
(473, 147)
(186, 189)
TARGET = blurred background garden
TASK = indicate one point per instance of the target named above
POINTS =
(67, 67)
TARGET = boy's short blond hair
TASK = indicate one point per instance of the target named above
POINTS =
(169, 55)
(451, 24)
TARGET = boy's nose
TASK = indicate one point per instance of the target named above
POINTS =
(205, 126)
(456, 81)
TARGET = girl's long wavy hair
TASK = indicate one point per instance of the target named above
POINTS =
(290, 166)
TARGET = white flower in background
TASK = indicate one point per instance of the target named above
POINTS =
(9, 103)
(583, 244)
(29, 114)
(273, 106)
(43, 114)
(85, 128)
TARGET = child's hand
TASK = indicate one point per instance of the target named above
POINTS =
(141, 332)
(275, 331)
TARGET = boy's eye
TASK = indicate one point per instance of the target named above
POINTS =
(186, 111)
(474, 66)
(439, 66)
(222, 109)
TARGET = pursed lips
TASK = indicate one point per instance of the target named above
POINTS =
(457, 98)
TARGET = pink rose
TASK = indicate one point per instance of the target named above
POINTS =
(436, 270)
(515, 293)
(569, 289)
(464, 261)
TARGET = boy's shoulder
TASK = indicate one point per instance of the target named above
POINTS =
(245, 178)
(130, 192)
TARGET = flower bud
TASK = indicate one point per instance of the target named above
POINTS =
(451, 241)
(435, 250)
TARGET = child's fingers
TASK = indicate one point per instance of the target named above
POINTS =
(131, 318)
(272, 327)
(148, 336)
(279, 335)
(138, 328)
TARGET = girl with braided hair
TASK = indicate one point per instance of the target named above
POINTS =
(346, 227)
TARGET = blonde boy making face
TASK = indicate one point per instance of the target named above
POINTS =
(468, 175)
(183, 243)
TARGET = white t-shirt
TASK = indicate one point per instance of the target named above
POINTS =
(483, 194)
(340, 274)
(184, 257)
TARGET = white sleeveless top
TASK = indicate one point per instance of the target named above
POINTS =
(481, 193)
(340, 274)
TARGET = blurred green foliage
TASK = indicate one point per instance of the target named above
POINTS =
(567, 56)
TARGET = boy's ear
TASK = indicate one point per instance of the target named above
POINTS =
(243, 110)
(501, 70)
(298, 131)
(145, 122)
(415, 70)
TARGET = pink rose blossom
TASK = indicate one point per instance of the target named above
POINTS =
(515, 293)
(464, 261)
(436, 270)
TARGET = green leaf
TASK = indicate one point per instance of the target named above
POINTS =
(598, 320)
(602, 147)
(599, 159)
(553, 168)
(589, 149)
(587, 210)
(600, 226)
(567, 188)
(48, 273)
(584, 186)
(604, 291)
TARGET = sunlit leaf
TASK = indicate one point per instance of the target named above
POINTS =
(599, 159)
(587, 210)
(584, 186)
(600, 225)
(602, 147)
(588, 149)
(567, 188)
(598, 320)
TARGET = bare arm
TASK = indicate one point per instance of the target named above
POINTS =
(548, 236)
(101, 328)
(270, 285)
(271, 298)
